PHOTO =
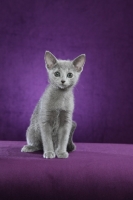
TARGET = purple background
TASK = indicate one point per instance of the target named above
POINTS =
(103, 30)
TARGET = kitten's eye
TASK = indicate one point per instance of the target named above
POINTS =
(69, 75)
(57, 74)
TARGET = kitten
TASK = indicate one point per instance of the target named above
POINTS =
(51, 126)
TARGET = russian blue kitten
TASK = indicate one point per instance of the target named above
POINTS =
(51, 126)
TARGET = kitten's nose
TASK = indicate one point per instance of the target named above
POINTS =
(62, 81)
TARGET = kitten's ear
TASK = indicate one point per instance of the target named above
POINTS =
(50, 59)
(79, 62)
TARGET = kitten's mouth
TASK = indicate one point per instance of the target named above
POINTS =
(62, 86)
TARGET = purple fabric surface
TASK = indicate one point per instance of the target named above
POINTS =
(102, 30)
(93, 171)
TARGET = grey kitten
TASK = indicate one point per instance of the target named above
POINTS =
(51, 126)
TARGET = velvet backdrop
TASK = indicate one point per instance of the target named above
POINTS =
(103, 30)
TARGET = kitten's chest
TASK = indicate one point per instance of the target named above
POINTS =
(54, 99)
(62, 103)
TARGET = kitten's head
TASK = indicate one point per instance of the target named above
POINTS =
(63, 73)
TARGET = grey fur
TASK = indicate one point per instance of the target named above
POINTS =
(51, 127)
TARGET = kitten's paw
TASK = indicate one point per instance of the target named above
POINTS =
(30, 148)
(62, 154)
(49, 154)
(27, 148)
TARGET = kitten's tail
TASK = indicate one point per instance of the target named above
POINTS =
(71, 146)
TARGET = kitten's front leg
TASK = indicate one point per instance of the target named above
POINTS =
(46, 134)
(63, 134)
